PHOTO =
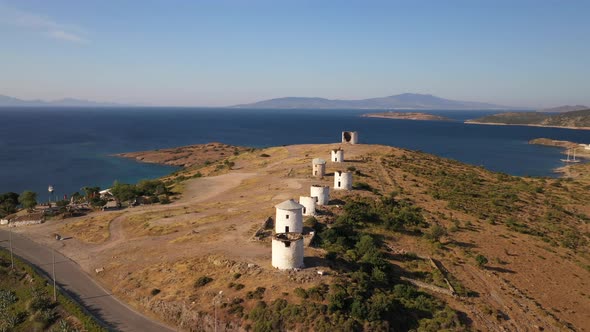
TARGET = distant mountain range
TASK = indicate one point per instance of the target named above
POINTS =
(402, 101)
(6, 101)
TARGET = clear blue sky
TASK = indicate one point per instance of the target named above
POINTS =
(522, 53)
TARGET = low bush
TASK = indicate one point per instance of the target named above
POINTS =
(202, 281)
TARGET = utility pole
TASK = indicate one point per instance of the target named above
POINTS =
(54, 289)
(10, 240)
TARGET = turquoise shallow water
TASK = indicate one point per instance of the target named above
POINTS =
(71, 148)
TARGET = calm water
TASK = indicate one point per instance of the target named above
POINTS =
(70, 148)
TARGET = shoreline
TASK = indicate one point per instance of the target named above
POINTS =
(567, 170)
(526, 125)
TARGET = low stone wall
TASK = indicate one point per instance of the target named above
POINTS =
(25, 223)
(261, 232)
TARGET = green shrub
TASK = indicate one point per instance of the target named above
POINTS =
(300, 292)
(481, 260)
(258, 293)
(202, 281)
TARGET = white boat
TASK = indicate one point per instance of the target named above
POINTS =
(572, 160)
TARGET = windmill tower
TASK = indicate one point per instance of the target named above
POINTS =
(287, 243)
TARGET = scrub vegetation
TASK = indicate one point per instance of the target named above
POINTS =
(26, 302)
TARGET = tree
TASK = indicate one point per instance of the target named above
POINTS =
(436, 232)
(91, 192)
(123, 192)
(8, 203)
(481, 260)
(76, 197)
(28, 200)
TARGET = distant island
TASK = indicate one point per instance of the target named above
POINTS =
(406, 116)
(401, 101)
(571, 120)
(6, 101)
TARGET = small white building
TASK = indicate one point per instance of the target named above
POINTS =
(289, 217)
(4, 221)
(351, 137)
(337, 155)
(287, 251)
(320, 193)
(308, 205)
(342, 180)
(318, 167)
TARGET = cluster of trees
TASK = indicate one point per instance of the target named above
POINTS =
(10, 202)
(367, 294)
(155, 190)
(388, 212)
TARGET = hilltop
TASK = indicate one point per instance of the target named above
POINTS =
(565, 108)
(515, 250)
(572, 120)
(401, 101)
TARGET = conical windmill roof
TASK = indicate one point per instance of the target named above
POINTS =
(289, 205)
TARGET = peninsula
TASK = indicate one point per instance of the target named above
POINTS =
(406, 116)
(419, 243)
(569, 120)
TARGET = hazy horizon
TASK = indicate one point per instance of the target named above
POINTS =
(523, 54)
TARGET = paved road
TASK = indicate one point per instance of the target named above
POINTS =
(116, 315)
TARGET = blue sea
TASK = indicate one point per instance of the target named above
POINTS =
(70, 148)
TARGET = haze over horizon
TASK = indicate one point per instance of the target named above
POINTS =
(525, 54)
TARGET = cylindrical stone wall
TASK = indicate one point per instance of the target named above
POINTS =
(318, 167)
(287, 251)
(342, 180)
(350, 137)
(321, 192)
(337, 156)
(308, 205)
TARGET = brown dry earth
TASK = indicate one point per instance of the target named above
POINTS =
(209, 232)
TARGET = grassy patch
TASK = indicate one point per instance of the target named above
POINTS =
(27, 305)
(94, 229)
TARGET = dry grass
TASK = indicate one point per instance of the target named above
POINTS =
(223, 224)
(94, 229)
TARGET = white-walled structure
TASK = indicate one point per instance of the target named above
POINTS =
(308, 205)
(289, 217)
(287, 251)
(342, 180)
(337, 156)
(351, 137)
(321, 193)
(318, 167)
